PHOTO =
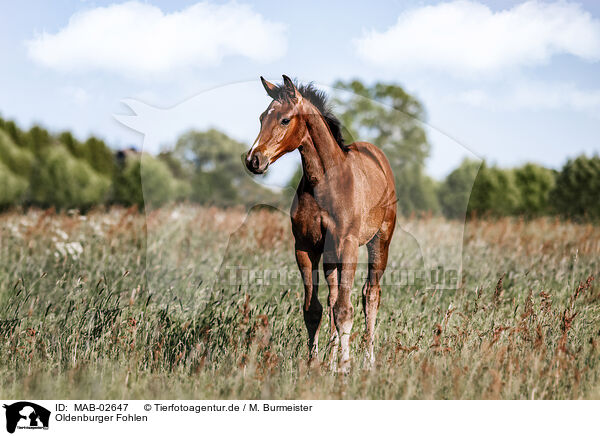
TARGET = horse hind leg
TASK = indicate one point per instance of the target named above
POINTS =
(308, 263)
(371, 293)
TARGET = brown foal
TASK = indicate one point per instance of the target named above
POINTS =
(346, 199)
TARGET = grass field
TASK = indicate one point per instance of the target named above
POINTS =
(116, 306)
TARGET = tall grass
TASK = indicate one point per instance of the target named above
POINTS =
(119, 305)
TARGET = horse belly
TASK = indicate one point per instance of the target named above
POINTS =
(371, 224)
(374, 207)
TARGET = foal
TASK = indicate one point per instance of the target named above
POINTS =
(346, 199)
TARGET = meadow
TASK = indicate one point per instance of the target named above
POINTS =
(119, 304)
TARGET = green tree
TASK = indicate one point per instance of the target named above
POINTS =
(577, 189)
(18, 160)
(213, 162)
(37, 140)
(63, 181)
(13, 187)
(99, 156)
(175, 165)
(72, 144)
(158, 184)
(392, 119)
(16, 134)
(455, 191)
(146, 181)
(127, 183)
(494, 192)
(534, 184)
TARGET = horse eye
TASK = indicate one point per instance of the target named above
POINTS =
(285, 121)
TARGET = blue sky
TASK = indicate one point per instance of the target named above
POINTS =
(504, 80)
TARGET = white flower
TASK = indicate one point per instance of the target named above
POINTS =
(68, 249)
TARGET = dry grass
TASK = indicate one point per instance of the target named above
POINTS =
(111, 305)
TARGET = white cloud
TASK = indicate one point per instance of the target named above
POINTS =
(555, 96)
(137, 39)
(77, 95)
(474, 97)
(536, 96)
(468, 38)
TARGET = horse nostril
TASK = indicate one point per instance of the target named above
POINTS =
(255, 162)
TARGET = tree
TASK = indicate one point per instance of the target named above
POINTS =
(63, 181)
(127, 183)
(534, 184)
(73, 145)
(38, 139)
(455, 191)
(175, 165)
(18, 160)
(16, 134)
(99, 156)
(158, 184)
(146, 181)
(577, 189)
(15, 170)
(213, 162)
(13, 187)
(494, 192)
(392, 119)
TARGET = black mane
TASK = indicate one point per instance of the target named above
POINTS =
(319, 100)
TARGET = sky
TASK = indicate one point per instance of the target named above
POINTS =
(506, 81)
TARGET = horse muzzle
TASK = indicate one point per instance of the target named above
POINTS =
(256, 162)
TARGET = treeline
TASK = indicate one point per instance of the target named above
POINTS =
(529, 190)
(41, 169)
(44, 170)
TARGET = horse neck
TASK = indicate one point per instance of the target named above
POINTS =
(320, 152)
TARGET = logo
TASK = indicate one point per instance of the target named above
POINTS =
(26, 415)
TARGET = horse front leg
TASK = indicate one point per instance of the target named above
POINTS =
(343, 312)
(308, 263)
(330, 268)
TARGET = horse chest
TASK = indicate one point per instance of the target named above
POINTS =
(307, 221)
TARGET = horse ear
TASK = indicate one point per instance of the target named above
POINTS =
(290, 88)
(270, 88)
